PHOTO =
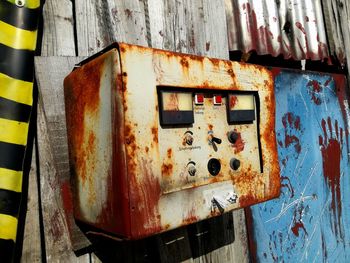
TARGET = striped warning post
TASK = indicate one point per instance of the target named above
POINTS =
(18, 34)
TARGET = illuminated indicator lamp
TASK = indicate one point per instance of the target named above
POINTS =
(217, 100)
(176, 108)
(241, 108)
(199, 99)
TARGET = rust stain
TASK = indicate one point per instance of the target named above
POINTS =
(207, 46)
(167, 169)
(233, 101)
(154, 131)
(167, 166)
(297, 221)
(231, 73)
(248, 199)
(146, 149)
(128, 13)
(184, 62)
(331, 156)
(56, 229)
(342, 95)
(145, 193)
(169, 153)
(300, 27)
(296, 227)
(315, 89)
(190, 218)
(215, 62)
(239, 144)
(291, 123)
(67, 198)
(287, 184)
(268, 138)
(82, 96)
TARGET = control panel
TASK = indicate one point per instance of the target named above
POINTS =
(159, 140)
(206, 136)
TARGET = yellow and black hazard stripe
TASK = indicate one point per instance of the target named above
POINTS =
(18, 35)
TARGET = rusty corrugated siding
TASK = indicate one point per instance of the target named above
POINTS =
(293, 28)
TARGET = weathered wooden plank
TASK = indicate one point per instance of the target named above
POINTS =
(100, 23)
(58, 30)
(334, 31)
(31, 251)
(337, 21)
(50, 73)
(57, 242)
(344, 14)
(196, 27)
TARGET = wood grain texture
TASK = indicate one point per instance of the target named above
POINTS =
(58, 31)
(337, 22)
(344, 14)
(334, 29)
(100, 23)
(195, 27)
(54, 166)
(57, 242)
(51, 72)
(31, 251)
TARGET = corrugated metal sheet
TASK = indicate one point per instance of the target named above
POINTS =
(294, 28)
(309, 222)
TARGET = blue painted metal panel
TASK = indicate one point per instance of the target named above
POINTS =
(310, 222)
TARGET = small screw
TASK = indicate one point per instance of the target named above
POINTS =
(20, 3)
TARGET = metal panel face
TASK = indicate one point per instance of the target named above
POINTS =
(185, 151)
(158, 178)
(309, 221)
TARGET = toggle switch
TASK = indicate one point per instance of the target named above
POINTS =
(188, 138)
(191, 168)
(217, 140)
(213, 140)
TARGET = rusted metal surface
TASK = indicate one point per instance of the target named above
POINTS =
(294, 29)
(308, 222)
(130, 172)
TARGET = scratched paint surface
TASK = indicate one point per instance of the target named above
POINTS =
(310, 221)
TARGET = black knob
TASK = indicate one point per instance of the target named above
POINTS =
(235, 163)
(233, 136)
(214, 166)
(217, 140)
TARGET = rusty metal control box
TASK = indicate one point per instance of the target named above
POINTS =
(158, 140)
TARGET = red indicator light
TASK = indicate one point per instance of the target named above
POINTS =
(199, 99)
(217, 99)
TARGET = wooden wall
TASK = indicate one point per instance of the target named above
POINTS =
(73, 30)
